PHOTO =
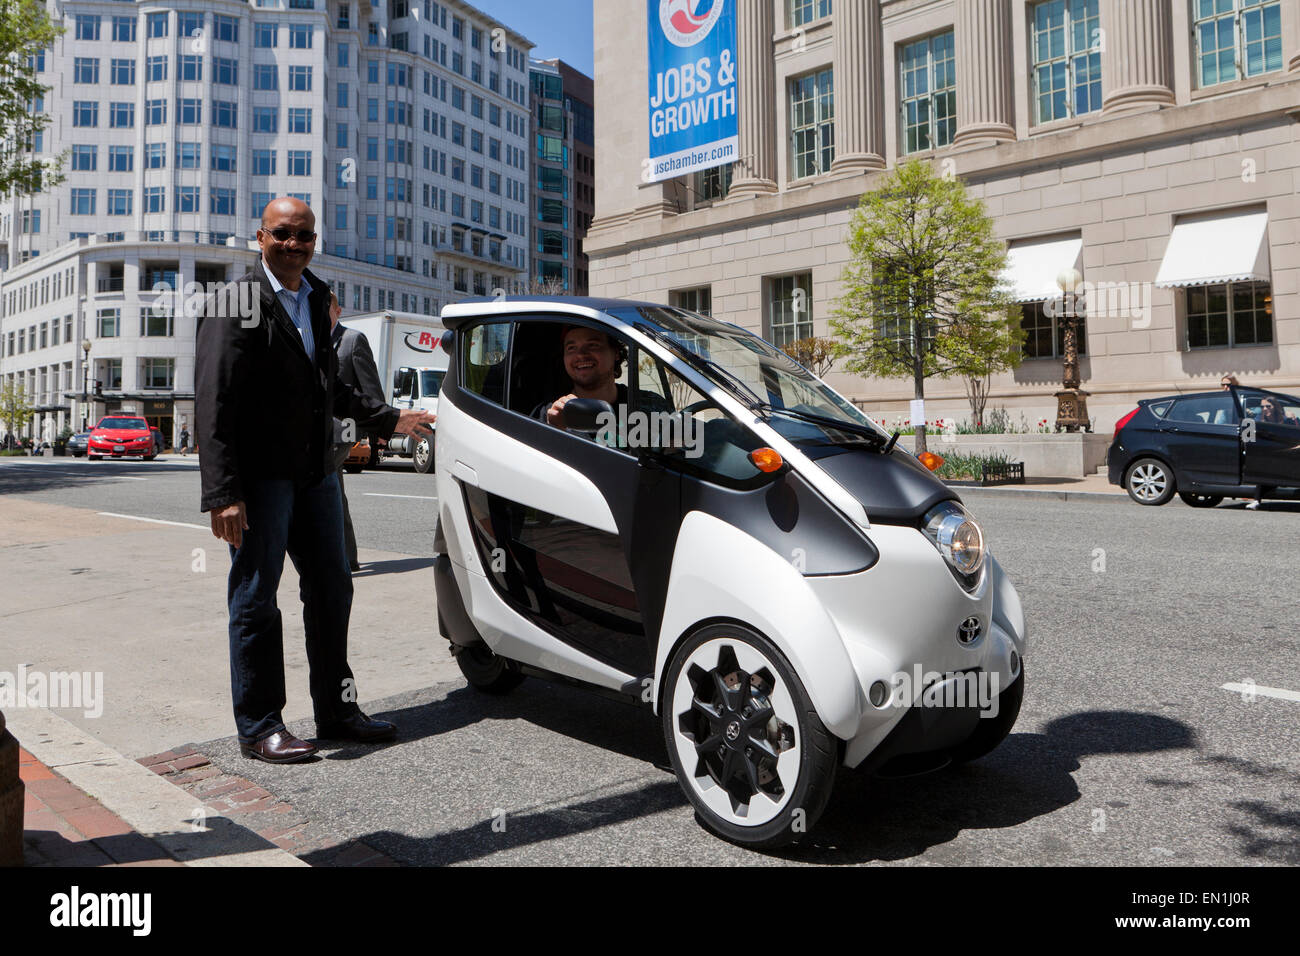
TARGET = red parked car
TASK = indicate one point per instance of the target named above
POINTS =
(121, 436)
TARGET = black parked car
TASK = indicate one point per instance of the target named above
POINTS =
(77, 444)
(1207, 446)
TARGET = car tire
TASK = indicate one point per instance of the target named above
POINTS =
(352, 469)
(719, 683)
(487, 671)
(1193, 500)
(374, 457)
(150, 457)
(993, 730)
(1149, 481)
(422, 455)
(94, 457)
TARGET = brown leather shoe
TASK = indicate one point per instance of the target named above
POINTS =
(280, 747)
(357, 727)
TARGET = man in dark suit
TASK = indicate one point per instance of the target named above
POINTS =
(266, 390)
(357, 369)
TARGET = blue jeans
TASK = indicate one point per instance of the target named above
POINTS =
(307, 523)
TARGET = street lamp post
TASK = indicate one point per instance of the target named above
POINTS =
(1071, 401)
(85, 383)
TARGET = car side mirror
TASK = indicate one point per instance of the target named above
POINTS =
(583, 415)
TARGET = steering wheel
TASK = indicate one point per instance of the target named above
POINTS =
(694, 407)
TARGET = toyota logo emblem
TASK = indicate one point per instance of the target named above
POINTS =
(968, 632)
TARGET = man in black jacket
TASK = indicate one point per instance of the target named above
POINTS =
(266, 391)
(356, 368)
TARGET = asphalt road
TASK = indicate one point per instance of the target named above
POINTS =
(1128, 749)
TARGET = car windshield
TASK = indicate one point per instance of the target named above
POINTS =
(123, 423)
(430, 382)
(800, 406)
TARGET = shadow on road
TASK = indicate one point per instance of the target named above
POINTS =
(1028, 776)
(19, 476)
(869, 819)
(395, 566)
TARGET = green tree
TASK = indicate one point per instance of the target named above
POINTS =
(922, 287)
(25, 30)
(15, 410)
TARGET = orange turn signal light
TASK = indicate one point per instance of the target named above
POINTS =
(766, 459)
(930, 460)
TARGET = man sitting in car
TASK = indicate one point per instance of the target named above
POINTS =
(594, 362)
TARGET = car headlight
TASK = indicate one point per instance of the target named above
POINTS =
(958, 537)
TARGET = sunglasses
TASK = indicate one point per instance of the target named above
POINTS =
(284, 235)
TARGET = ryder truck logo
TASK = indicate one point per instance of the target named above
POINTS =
(687, 22)
(423, 341)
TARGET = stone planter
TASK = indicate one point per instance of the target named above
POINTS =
(11, 800)
(1068, 455)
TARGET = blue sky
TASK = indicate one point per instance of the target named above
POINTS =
(560, 28)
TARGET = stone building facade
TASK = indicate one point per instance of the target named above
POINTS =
(1151, 146)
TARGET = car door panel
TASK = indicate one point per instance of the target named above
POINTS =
(585, 532)
(1200, 436)
(1271, 451)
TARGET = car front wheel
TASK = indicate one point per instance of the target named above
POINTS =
(1149, 481)
(746, 743)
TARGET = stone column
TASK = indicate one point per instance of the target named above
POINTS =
(1138, 57)
(756, 99)
(859, 87)
(1291, 36)
(985, 101)
(11, 800)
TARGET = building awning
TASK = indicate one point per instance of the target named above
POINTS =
(1034, 267)
(1227, 247)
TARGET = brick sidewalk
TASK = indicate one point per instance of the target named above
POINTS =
(244, 802)
(64, 826)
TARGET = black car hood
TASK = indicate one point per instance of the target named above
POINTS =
(893, 488)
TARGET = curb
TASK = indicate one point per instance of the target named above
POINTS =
(193, 833)
(1009, 492)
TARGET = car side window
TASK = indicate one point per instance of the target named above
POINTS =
(681, 421)
(483, 357)
(1205, 410)
(1272, 408)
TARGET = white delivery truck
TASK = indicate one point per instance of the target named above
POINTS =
(408, 351)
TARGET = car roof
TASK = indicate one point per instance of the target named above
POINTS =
(458, 313)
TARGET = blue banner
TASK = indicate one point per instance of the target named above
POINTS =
(692, 95)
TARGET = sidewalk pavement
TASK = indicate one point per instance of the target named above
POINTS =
(1090, 486)
(65, 826)
(231, 821)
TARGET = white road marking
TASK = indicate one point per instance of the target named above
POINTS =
(1277, 692)
(375, 494)
(177, 524)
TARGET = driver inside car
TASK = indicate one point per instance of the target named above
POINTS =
(594, 362)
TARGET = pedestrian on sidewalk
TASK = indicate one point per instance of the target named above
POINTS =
(185, 440)
(274, 374)
(356, 368)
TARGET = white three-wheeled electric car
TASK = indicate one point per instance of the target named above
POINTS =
(735, 546)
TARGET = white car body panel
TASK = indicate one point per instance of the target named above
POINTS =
(718, 571)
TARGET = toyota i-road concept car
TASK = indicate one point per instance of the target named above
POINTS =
(735, 546)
